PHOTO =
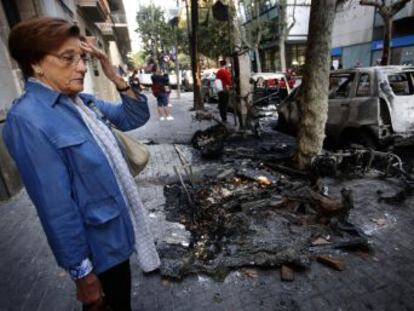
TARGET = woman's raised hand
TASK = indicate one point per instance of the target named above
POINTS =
(107, 68)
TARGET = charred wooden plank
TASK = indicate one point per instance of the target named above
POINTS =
(332, 262)
(287, 274)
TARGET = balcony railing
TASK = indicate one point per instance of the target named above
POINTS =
(96, 10)
(106, 30)
(119, 18)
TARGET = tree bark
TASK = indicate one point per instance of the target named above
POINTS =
(282, 52)
(386, 50)
(177, 71)
(282, 34)
(313, 97)
(243, 73)
(245, 87)
(284, 30)
(255, 34)
(195, 64)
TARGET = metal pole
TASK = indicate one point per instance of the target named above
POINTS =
(177, 65)
(232, 97)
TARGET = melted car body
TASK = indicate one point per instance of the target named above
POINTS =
(373, 103)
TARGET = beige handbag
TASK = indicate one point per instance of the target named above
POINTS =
(136, 153)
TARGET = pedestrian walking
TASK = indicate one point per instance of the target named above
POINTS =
(72, 165)
(161, 91)
(224, 75)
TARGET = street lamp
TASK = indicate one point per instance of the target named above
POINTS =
(174, 19)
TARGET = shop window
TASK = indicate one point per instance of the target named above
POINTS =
(399, 56)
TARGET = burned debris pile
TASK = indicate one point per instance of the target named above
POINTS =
(255, 209)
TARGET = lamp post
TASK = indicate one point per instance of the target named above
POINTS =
(175, 14)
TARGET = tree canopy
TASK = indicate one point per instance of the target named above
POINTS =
(216, 35)
(136, 59)
(157, 34)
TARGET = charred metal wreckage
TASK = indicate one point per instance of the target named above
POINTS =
(373, 106)
(253, 208)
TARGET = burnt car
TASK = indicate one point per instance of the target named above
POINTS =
(372, 106)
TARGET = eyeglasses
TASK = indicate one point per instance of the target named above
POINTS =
(71, 59)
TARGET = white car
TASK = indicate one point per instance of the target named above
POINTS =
(145, 79)
(187, 78)
(267, 76)
(372, 106)
(259, 79)
(172, 78)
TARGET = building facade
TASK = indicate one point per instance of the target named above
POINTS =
(103, 19)
(357, 38)
(269, 14)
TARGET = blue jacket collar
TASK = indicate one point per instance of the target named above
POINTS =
(47, 95)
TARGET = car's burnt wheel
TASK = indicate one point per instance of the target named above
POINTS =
(360, 137)
(282, 125)
(366, 139)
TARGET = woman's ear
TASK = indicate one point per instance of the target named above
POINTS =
(37, 70)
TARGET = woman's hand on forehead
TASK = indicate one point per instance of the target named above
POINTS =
(91, 49)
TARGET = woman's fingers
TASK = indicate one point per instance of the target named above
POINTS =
(88, 48)
(103, 59)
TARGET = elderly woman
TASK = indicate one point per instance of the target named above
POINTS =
(72, 165)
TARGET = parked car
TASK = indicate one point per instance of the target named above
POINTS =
(372, 106)
(267, 83)
(145, 79)
(172, 79)
(208, 93)
(267, 76)
(187, 80)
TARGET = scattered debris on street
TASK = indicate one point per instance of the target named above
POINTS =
(331, 261)
(254, 209)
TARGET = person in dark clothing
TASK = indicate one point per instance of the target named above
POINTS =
(225, 76)
(161, 91)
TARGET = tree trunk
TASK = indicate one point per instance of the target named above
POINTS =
(386, 51)
(242, 75)
(257, 56)
(245, 87)
(313, 97)
(282, 53)
(195, 64)
(282, 34)
(177, 72)
(177, 63)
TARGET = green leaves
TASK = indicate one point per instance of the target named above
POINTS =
(156, 33)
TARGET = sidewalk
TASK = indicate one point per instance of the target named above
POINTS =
(30, 279)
